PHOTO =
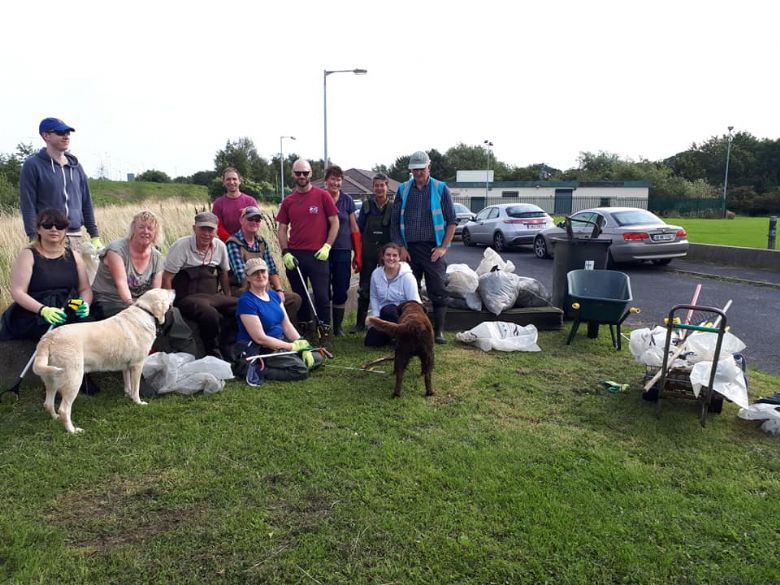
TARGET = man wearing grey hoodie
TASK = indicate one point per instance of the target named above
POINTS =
(53, 178)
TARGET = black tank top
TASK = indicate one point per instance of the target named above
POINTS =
(51, 274)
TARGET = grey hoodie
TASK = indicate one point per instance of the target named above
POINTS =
(394, 291)
(45, 184)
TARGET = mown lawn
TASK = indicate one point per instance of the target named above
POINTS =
(521, 470)
(748, 232)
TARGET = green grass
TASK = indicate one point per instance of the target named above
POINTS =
(521, 470)
(106, 192)
(747, 232)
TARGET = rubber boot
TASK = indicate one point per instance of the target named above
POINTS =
(338, 318)
(439, 314)
(360, 321)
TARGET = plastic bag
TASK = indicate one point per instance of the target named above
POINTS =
(182, 373)
(461, 280)
(490, 259)
(647, 346)
(501, 336)
(700, 346)
(769, 413)
(729, 380)
(473, 301)
(531, 293)
(498, 290)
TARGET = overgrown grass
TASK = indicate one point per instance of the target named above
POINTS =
(521, 470)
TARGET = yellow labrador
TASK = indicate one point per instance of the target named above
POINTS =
(121, 342)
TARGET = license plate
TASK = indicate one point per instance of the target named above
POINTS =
(662, 237)
(534, 226)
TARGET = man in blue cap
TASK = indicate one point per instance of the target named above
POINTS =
(53, 178)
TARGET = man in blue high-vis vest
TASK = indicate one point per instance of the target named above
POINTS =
(423, 224)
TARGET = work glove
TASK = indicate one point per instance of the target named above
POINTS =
(290, 261)
(53, 315)
(323, 253)
(98, 245)
(300, 345)
(308, 359)
(79, 307)
(357, 246)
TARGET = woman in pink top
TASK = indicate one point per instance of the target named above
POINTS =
(228, 207)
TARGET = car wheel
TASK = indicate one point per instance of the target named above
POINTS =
(465, 237)
(499, 243)
(662, 261)
(540, 247)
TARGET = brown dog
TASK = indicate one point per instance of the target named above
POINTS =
(414, 337)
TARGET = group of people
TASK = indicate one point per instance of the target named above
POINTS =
(224, 275)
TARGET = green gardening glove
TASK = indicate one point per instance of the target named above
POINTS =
(290, 261)
(97, 243)
(322, 253)
(308, 359)
(79, 307)
(300, 345)
(53, 315)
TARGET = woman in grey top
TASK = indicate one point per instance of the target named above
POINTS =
(131, 266)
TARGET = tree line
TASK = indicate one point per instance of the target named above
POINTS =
(696, 173)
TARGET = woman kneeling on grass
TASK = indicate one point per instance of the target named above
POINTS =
(392, 283)
(49, 283)
(265, 328)
(131, 266)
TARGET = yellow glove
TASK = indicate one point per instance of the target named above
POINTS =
(300, 345)
(308, 359)
(290, 261)
(97, 243)
(322, 253)
(53, 315)
(79, 306)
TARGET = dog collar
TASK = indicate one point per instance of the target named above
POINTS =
(157, 325)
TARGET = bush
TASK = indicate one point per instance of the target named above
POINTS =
(153, 176)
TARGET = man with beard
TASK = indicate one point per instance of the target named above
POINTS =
(308, 225)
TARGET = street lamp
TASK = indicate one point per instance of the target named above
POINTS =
(325, 74)
(488, 145)
(281, 162)
(726, 176)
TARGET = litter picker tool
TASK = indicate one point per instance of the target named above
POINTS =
(320, 327)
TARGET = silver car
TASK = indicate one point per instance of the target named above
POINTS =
(636, 235)
(464, 215)
(505, 225)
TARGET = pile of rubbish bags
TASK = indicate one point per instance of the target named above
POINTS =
(647, 347)
(494, 285)
(182, 373)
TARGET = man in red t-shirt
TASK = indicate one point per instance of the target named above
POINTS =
(308, 225)
(228, 207)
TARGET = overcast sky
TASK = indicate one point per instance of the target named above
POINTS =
(165, 84)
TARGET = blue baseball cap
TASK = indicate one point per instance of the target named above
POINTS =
(53, 125)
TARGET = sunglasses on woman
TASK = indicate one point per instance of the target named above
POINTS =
(59, 226)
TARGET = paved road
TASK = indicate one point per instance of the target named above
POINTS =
(753, 316)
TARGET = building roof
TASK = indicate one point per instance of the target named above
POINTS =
(358, 183)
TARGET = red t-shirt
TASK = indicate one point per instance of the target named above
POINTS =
(307, 215)
(229, 210)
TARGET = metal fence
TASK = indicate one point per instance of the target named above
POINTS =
(568, 205)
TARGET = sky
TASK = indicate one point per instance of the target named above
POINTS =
(166, 84)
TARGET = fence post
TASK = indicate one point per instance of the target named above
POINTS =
(772, 232)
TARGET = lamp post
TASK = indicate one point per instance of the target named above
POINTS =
(726, 176)
(488, 145)
(325, 74)
(281, 163)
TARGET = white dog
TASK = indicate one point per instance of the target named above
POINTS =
(121, 342)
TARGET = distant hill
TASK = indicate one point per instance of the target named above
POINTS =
(106, 192)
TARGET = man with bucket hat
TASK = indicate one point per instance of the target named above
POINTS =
(53, 179)
(423, 224)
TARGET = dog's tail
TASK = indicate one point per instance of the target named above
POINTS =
(41, 364)
(386, 327)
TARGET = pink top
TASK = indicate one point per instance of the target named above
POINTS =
(307, 215)
(229, 210)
